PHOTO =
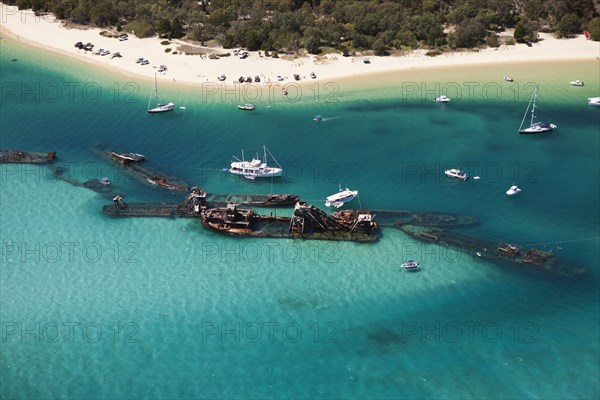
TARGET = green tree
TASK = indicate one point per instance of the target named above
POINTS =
(525, 31)
(568, 25)
(593, 28)
(176, 29)
(520, 32)
(379, 48)
(163, 27)
(253, 40)
(312, 40)
(468, 34)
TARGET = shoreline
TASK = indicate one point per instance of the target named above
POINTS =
(192, 70)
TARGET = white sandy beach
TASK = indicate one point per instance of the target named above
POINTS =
(51, 34)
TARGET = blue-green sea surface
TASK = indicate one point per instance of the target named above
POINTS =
(96, 307)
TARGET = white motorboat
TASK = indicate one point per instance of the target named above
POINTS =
(318, 118)
(340, 198)
(456, 173)
(594, 101)
(256, 168)
(442, 99)
(410, 264)
(508, 79)
(514, 189)
(535, 127)
(160, 108)
(576, 83)
(247, 107)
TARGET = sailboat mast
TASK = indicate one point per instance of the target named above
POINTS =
(156, 88)
(533, 106)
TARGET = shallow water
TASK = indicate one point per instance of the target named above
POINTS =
(157, 308)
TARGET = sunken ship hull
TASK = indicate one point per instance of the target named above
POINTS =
(26, 157)
(195, 201)
(501, 254)
(144, 173)
(393, 218)
(307, 222)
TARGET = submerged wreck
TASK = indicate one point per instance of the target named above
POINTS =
(132, 163)
(26, 157)
(504, 253)
(98, 185)
(307, 222)
(394, 217)
(195, 201)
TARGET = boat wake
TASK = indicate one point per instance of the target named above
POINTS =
(330, 119)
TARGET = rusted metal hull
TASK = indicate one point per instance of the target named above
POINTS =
(494, 252)
(25, 157)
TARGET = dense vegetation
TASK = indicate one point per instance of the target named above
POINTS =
(289, 25)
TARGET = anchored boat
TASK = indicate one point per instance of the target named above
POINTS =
(456, 173)
(341, 197)
(535, 127)
(160, 108)
(594, 101)
(256, 168)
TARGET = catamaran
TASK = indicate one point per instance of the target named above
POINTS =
(159, 107)
(256, 168)
(341, 197)
(535, 127)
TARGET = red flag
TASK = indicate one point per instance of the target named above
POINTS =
(587, 35)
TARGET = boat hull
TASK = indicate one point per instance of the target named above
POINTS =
(159, 110)
(533, 131)
(275, 174)
(25, 157)
(278, 227)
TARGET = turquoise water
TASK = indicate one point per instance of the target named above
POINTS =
(93, 307)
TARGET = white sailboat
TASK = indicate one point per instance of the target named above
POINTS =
(535, 127)
(160, 108)
(256, 168)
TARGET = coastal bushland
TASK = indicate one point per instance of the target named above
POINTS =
(290, 26)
